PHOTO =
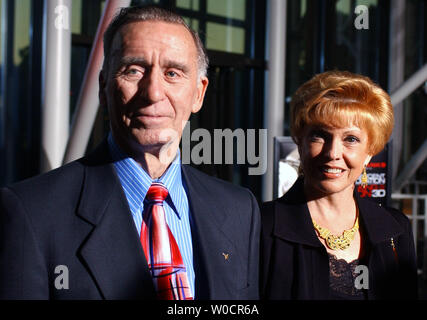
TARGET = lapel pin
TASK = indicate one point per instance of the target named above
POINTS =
(225, 255)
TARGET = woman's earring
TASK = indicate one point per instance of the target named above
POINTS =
(364, 179)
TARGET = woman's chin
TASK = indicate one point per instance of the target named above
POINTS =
(329, 187)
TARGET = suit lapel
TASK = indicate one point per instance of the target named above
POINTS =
(112, 251)
(211, 241)
(293, 218)
(293, 223)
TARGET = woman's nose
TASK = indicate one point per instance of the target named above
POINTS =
(334, 149)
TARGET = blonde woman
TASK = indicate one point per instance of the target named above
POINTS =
(320, 240)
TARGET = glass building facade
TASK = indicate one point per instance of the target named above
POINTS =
(321, 35)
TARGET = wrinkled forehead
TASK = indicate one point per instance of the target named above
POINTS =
(169, 39)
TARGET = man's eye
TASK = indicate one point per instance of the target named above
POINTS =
(171, 74)
(133, 73)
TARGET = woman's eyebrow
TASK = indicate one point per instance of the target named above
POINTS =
(353, 131)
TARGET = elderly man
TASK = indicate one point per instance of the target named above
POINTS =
(129, 221)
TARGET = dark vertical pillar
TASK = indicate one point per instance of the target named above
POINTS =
(33, 119)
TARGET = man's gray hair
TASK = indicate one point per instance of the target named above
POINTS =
(151, 13)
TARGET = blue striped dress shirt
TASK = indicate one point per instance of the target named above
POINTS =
(136, 182)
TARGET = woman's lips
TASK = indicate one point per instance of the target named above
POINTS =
(331, 172)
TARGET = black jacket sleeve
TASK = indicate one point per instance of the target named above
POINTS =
(23, 272)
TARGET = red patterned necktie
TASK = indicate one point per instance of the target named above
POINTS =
(161, 250)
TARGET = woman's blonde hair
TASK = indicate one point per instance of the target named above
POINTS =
(340, 99)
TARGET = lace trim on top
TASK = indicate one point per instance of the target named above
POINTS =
(342, 275)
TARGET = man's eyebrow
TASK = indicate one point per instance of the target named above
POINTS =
(176, 65)
(125, 61)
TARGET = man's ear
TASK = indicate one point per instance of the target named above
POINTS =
(101, 92)
(201, 90)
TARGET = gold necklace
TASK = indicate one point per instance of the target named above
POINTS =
(334, 242)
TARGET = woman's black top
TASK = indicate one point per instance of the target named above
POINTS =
(296, 265)
(342, 279)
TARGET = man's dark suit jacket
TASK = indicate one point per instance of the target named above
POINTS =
(295, 265)
(78, 216)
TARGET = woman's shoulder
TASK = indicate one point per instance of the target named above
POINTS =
(294, 197)
(398, 215)
(267, 210)
(288, 215)
(383, 219)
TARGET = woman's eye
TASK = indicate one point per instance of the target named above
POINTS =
(316, 136)
(352, 139)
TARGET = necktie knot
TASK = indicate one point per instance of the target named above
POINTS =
(157, 193)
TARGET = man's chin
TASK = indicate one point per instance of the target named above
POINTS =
(154, 135)
(164, 150)
(149, 143)
(138, 141)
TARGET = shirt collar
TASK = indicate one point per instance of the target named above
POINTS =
(136, 181)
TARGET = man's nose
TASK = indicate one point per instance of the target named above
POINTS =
(152, 87)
